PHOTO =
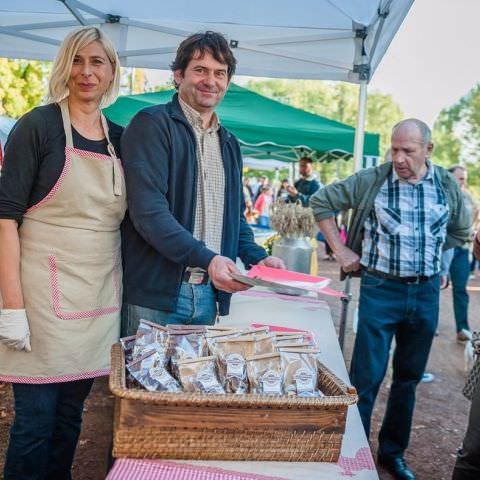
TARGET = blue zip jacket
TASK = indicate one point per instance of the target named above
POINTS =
(160, 161)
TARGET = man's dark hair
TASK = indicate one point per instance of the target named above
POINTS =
(305, 159)
(212, 42)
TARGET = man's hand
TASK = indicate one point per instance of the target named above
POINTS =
(14, 329)
(219, 272)
(348, 259)
(292, 191)
(273, 262)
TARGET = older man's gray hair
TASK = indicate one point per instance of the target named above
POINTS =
(422, 127)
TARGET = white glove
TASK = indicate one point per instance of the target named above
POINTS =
(14, 330)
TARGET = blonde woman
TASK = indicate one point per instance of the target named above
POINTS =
(62, 198)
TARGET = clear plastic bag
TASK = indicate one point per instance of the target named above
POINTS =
(150, 371)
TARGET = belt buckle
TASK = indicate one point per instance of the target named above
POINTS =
(196, 278)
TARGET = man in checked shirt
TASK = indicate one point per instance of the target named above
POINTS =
(404, 213)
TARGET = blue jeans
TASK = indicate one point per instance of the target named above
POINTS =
(44, 434)
(446, 261)
(196, 305)
(410, 313)
(459, 273)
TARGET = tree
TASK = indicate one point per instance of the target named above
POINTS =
(456, 136)
(338, 101)
(22, 85)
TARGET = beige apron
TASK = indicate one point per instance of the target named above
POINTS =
(71, 270)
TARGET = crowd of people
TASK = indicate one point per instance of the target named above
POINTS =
(260, 194)
(77, 269)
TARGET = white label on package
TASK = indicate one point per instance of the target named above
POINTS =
(304, 380)
(272, 382)
(207, 379)
(235, 365)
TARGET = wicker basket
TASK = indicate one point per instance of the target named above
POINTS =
(228, 427)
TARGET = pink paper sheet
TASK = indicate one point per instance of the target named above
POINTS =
(285, 276)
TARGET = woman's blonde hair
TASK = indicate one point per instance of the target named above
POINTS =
(62, 66)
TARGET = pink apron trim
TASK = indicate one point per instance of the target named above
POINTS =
(66, 168)
(97, 312)
(62, 378)
(56, 187)
(98, 156)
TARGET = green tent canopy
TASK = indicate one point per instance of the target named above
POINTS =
(265, 128)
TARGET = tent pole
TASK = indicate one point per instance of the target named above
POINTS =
(360, 130)
(358, 160)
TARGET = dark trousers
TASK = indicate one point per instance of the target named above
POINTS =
(409, 312)
(459, 273)
(467, 466)
(45, 431)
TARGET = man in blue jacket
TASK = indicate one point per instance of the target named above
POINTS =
(186, 225)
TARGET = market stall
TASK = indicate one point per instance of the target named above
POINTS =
(292, 312)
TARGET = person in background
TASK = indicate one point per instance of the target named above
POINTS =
(62, 199)
(186, 224)
(262, 206)
(306, 185)
(459, 268)
(261, 182)
(250, 214)
(404, 211)
(247, 190)
(282, 192)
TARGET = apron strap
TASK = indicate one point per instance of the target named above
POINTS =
(117, 174)
(67, 124)
(67, 127)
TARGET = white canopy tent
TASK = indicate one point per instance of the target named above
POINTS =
(311, 39)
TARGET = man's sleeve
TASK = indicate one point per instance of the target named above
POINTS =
(459, 229)
(327, 201)
(146, 151)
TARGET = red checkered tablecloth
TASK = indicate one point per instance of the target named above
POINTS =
(129, 469)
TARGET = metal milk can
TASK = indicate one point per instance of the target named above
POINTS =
(296, 252)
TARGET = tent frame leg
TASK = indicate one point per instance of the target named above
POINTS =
(358, 161)
(346, 299)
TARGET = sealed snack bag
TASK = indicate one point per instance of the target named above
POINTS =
(232, 354)
(200, 375)
(150, 336)
(265, 374)
(300, 371)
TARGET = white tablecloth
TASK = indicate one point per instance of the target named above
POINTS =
(305, 313)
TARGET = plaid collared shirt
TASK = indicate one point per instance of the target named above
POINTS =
(407, 227)
(210, 180)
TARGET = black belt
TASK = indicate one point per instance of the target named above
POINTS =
(415, 279)
(195, 277)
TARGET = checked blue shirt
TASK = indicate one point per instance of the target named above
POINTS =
(407, 227)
